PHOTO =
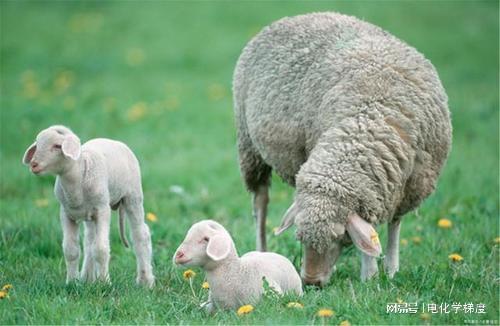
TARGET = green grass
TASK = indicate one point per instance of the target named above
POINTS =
(88, 65)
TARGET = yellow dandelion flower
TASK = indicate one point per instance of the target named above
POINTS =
(216, 92)
(137, 111)
(445, 223)
(151, 217)
(425, 316)
(398, 300)
(7, 287)
(374, 238)
(325, 313)
(3, 294)
(456, 257)
(404, 242)
(85, 22)
(42, 202)
(69, 102)
(31, 89)
(63, 81)
(109, 104)
(171, 103)
(416, 240)
(295, 305)
(188, 274)
(28, 76)
(135, 57)
(205, 285)
(30, 84)
(497, 240)
(243, 310)
(345, 323)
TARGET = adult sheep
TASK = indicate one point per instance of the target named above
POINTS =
(352, 117)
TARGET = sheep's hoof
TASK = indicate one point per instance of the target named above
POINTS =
(390, 271)
(368, 275)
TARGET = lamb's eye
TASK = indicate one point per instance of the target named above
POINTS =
(205, 239)
(57, 146)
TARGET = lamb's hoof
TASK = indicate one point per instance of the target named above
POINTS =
(146, 281)
(72, 281)
(208, 306)
(87, 277)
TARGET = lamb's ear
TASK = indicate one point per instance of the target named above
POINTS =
(363, 235)
(71, 147)
(28, 155)
(218, 247)
(288, 219)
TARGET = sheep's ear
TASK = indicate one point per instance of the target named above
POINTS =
(288, 219)
(28, 155)
(218, 247)
(363, 235)
(71, 147)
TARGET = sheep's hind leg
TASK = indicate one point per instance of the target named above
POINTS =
(369, 267)
(260, 202)
(142, 241)
(391, 261)
(256, 175)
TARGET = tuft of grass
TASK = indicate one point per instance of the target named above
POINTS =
(157, 76)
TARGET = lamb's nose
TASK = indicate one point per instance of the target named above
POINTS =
(33, 164)
(179, 255)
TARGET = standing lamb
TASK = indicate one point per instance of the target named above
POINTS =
(101, 175)
(234, 281)
(352, 117)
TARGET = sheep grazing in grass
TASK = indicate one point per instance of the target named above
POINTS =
(91, 180)
(234, 281)
(355, 119)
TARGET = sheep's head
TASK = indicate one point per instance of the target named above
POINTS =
(54, 149)
(322, 237)
(207, 243)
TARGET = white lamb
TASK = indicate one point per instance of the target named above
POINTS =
(234, 280)
(92, 179)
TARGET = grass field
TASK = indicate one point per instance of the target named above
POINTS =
(157, 75)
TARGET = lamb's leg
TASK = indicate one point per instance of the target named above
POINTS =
(391, 261)
(369, 267)
(208, 305)
(88, 272)
(260, 202)
(71, 246)
(142, 241)
(101, 246)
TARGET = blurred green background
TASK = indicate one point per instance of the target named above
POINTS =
(157, 75)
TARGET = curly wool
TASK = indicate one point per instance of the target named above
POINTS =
(356, 119)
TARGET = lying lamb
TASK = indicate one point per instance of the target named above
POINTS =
(92, 179)
(234, 280)
(352, 117)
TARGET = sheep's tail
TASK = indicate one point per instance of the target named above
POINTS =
(121, 223)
